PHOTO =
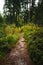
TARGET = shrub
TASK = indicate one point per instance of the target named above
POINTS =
(35, 47)
(12, 39)
(9, 35)
(29, 30)
(34, 39)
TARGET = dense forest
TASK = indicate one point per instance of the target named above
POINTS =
(22, 17)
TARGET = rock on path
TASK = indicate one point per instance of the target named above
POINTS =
(18, 55)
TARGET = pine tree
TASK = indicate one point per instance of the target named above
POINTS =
(39, 13)
(11, 10)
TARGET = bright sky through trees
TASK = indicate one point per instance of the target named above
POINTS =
(2, 3)
(1, 6)
(36, 2)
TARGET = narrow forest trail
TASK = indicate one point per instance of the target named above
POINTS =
(18, 55)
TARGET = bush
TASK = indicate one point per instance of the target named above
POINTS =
(12, 39)
(35, 47)
(34, 39)
(29, 30)
(9, 35)
(3, 47)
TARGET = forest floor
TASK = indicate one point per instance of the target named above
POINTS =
(18, 55)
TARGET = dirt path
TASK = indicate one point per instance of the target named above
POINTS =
(19, 55)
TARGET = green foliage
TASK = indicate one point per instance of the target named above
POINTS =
(1, 19)
(29, 29)
(34, 39)
(4, 49)
(9, 35)
(39, 13)
(12, 10)
(12, 39)
(35, 46)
